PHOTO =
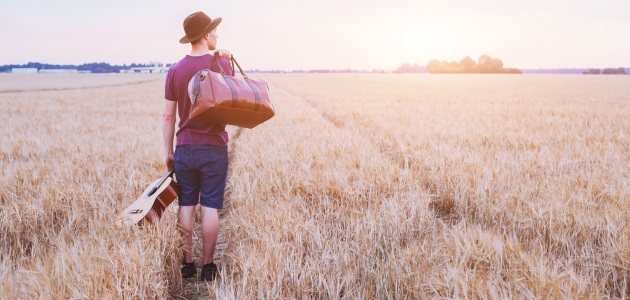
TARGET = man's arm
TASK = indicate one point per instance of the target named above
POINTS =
(168, 128)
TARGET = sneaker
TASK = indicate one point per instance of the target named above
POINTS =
(188, 269)
(209, 272)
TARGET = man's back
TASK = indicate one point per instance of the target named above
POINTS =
(193, 132)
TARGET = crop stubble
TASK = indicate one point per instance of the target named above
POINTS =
(362, 186)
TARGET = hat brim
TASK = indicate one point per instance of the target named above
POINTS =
(210, 27)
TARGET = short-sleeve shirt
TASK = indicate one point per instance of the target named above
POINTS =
(194, 132)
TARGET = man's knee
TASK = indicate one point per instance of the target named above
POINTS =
(186, 212)
(209, 213)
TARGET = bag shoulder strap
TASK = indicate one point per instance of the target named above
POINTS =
(232, 61)
(232, 88)
(216, 57)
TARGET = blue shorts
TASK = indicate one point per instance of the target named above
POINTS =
(201, 169)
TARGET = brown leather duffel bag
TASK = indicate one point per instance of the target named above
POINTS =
(224, 99)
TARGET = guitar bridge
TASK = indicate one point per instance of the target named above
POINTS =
(134, 211)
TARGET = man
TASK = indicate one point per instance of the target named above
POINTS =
(201, 158)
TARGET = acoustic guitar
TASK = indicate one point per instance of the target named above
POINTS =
(152, 203)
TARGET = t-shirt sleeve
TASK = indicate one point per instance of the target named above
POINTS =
(169, 92)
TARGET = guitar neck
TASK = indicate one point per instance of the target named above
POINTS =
(159, 183)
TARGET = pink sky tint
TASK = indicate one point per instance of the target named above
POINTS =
(323, 34)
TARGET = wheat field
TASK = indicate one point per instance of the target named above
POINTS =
(362, 186)
(47, 82)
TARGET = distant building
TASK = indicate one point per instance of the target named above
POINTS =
(156, 64)
(58, 71)
(24, 70)
(154, 67)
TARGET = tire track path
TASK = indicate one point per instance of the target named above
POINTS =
(442, 204)
(195, 289)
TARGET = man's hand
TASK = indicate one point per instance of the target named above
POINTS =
(224, 53)
(169, 161)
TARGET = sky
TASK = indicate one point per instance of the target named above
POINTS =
(323, 34)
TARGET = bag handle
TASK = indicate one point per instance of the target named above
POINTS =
(232, 60)
(249, 82)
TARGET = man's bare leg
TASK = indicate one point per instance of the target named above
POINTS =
(185, 220)
(209, 232)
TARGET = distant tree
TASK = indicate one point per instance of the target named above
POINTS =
(443, 67)
(454, 67)
(497, 65)
(485, 64)
(614, 71)
(513, 71)
(433, 66)
(94, 67)
(482, 68)
(467, 63)
(594, 71)
(485, 60)
(408, 68)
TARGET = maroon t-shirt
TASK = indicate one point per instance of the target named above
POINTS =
(193, 132)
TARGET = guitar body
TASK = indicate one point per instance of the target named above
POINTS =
(151, 204)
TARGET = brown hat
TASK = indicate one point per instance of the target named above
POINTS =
(197, 25)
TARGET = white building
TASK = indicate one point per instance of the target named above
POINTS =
(58, 71)
(24, 70)
(154, 67)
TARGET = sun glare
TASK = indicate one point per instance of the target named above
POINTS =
(425, 40)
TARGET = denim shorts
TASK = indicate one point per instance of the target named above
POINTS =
(201, 170)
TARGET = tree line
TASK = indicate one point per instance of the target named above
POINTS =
(94, 67)
(484, 65)
(606, 71)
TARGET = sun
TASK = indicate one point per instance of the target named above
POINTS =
(425, 40)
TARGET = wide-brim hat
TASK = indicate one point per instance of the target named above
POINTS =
(197, 25)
